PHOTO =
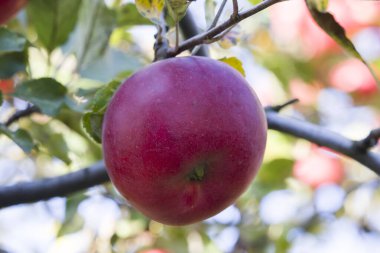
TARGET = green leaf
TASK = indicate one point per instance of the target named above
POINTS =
(113, 63)
(73, 222)
(320, 5)
(11, 42)
(128, 15)
(45, 93)
(92, 123)
(151, 9)
(1, 98)
(94, 27)
(20, 137)
(235, 63)
(51, 140)
(93, 120)
(13, 53)
(53, 20)
(328, 23)
(272, 176)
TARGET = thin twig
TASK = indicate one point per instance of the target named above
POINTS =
(218, 15)
(21, 114)
(201, 38)
(235, 12)
(278, 108)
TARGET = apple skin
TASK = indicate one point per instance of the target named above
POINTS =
(8, 8)
(183, 138)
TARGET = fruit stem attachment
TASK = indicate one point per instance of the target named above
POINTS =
(198, 173)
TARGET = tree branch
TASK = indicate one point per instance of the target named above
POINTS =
(208, 35)
(53, 187)
(63, 185)
(323, 137)
(21, 114)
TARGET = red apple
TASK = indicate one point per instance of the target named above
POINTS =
(7, 86)
(353, 76)
(8, 8)
(183, 138)
(318, 168)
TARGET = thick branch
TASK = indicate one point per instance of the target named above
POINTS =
(208, 35)
(96, 174)
(323, 137)
(53, 187)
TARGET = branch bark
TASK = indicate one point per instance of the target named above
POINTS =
(44, 189)
(64, 185)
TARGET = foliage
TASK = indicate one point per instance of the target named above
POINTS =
(68, 57)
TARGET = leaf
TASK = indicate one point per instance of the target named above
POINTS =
(104, 95)
(93, 120)
(92, 123)
(328, 23)
(272, 176)
(320, 5)
(235, 63)
(1, 98)
(151, 9)
(53, 20)
(20, 137)
(45, 93)
(129, 15)
(13, 53)
(11, 42)
(95, 25)
(113, 63)
(210, 6)
(50, 139)
(73, 222)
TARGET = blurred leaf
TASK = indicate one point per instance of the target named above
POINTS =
(53, 20)
(11, 42)
(94, 27)
(20, 137)
(12, 63)
(151, 9)
(93, 120)
(235, 63)
(13, 54)
(129, 15)
(328, 23)
(45, 93)
(272, 176)
(50, 139)
(73, 222)
(113, 63)
(210, 6)
(320, 5)
(1, 98)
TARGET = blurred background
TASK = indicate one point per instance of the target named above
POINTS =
(305, 199)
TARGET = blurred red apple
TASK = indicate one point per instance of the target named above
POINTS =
(155, 251)
(318, 168)
(183, 138)
(7, 86)
(8, 8)
(353, 76)
(299, 30)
